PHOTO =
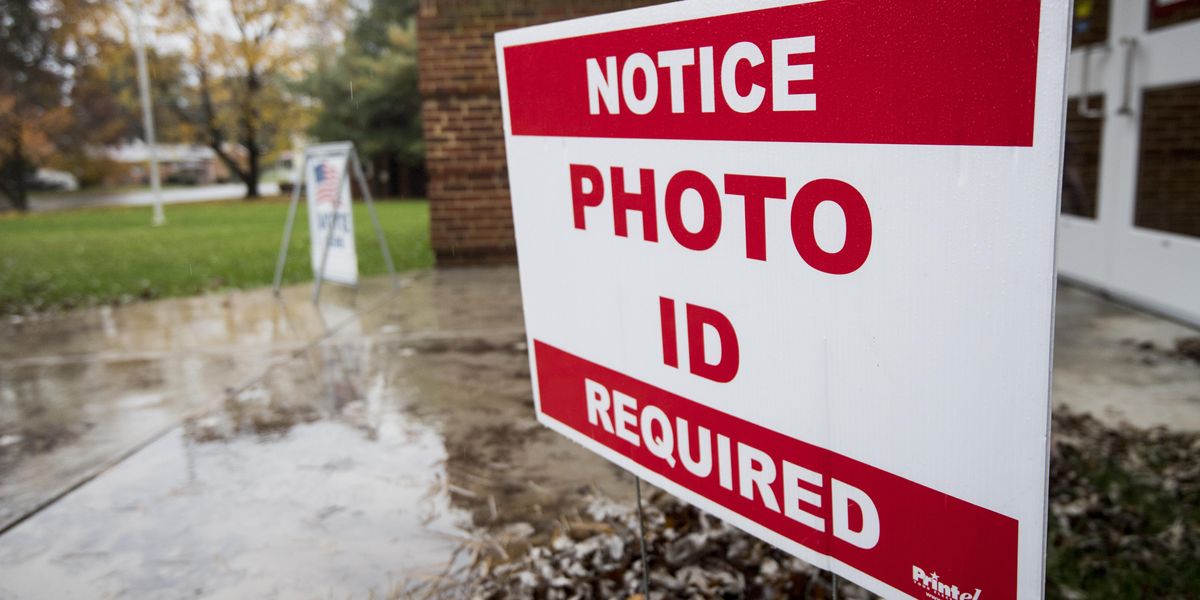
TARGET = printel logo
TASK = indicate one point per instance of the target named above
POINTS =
(940, 590)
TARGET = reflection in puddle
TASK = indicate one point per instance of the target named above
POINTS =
(366, 463)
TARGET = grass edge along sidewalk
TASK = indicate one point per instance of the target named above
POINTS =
(96, 256)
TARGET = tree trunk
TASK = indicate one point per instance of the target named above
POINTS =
(375, 178)
(395, 180)
(20, 200)
(410, 181)
(16, 187)
(253, 154)
(215, 138)
(249, 120)
(252, 158)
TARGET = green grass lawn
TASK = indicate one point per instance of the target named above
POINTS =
(104, 255)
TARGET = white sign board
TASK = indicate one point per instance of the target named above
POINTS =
(793, 263)
(327, 184)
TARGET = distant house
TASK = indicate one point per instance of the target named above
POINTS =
(187, 164)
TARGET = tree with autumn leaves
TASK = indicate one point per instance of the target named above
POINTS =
(39, 42)
(68, 81)
(68, 87)
(242, 77)
(241, 54)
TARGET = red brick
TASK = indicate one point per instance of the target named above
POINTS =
(470, 209)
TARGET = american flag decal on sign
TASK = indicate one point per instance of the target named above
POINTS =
(327, 183)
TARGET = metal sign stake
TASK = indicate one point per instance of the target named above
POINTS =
(642, 540)
(366, 192)
(287, 229)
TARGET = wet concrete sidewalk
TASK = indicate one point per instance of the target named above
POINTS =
(1124, 365)
(239, 446)
(236, 446)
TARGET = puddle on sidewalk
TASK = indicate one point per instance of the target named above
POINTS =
(364, 464)
(80, 390)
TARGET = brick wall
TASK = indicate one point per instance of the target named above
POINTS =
(470, 217)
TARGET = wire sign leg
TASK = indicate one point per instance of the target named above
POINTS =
(642, 541)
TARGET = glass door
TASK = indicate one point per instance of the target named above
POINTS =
(1140, 128)
(1083, 233)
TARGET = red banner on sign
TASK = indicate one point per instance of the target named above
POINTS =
(942, 72)
(918, 540)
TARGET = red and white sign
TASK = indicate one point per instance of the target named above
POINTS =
(795, 264)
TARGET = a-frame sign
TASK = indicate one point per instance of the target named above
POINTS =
(324, 175)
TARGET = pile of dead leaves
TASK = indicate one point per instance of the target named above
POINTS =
(1124, 523)
(691, 555)
(1124, 511)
